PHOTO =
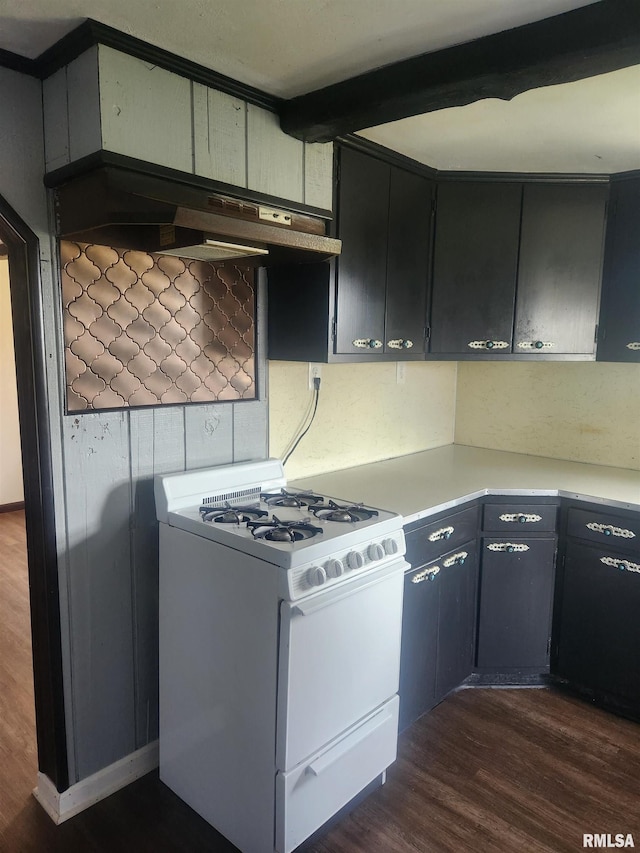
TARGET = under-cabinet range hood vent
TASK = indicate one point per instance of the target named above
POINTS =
(186, 216)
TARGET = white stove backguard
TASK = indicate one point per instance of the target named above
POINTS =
(233, 483)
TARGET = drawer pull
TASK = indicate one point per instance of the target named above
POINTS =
(623, 565)
(610, 530)
(488, 344)
(509, 547)
(634, 345)
(537, 345)
(455, 559)
(367, 343)
(443, 533)
(400, 343)
(520, 517)
(426, 575)
(344, 747)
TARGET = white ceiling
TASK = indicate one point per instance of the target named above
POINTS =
(289, 47)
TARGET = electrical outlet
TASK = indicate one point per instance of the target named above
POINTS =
(401, 372)
(315, 372)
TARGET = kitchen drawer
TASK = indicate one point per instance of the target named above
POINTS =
(522, 519)
(430, 541)
(613, 530)
(309, 794)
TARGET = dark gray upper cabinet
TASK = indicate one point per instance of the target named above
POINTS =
(384, 222)
(370, 302)
(559, 273)
(517, 269)
(475, 267)
(363, 224)
(619, 332)
(408, 258)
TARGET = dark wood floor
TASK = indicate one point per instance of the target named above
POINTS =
(488, 770)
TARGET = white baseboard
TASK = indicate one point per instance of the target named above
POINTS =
(77, 798)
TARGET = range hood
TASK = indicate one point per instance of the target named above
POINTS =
(132, 209)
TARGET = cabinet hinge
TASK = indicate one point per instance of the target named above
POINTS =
(595, 336)
(334, 327)
(427, 333)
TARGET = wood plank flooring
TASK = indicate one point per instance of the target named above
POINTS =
(488, 771)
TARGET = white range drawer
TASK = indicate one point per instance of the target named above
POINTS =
(311, 793)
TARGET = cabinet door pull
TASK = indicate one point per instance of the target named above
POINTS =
(367, 343)
(539, 345)
(610, 530)
(520, 517)
(426, 575)
(400, 343)
(634, 345)
(509, 547)
(623, 565)
(455, 559)
(443, 533)
(488, 344)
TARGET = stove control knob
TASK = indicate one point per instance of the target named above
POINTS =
(355, 560)
(334, 568)
(390, 546)
(316, 576)
(375, 551)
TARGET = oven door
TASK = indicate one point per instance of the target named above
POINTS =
(339, 660)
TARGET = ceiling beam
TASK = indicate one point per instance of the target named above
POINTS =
(591, 40)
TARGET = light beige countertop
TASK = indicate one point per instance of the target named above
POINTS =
(421, 484)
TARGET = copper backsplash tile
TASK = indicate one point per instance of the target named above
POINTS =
(151, 330)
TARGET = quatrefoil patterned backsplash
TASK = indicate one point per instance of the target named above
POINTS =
(151, 330)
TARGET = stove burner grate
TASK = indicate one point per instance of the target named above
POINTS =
(231, 514)
(283, 531)
(284, 498)
(331, 511)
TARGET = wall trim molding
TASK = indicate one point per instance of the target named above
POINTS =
(90, 33)
(99, 786)
(12, 507)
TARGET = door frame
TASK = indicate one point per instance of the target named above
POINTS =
(42, 560)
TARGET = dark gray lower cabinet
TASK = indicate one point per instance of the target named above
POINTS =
(419, 643)
(516, 593)
(597, 640)
(437, 630)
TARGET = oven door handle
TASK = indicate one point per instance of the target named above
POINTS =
(326, 599)
(346, 745)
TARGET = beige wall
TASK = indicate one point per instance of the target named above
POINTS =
(364, 415)
(10, 455)
(578, 411)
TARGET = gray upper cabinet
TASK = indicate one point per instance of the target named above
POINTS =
(619, 334)
(384, 222)
(475, 267)
(561, 250)
(370, 302)
(517, 269)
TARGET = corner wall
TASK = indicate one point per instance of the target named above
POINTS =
(580, 411)
(364, 415)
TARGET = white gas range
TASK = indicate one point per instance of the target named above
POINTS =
(280, 621)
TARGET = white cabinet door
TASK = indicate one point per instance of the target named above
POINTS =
(339, 660)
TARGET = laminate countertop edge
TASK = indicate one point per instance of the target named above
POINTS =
(421, 484)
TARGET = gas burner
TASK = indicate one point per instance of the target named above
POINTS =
(230, 514)
(289, 499)
(283, 531)
(331, 511)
